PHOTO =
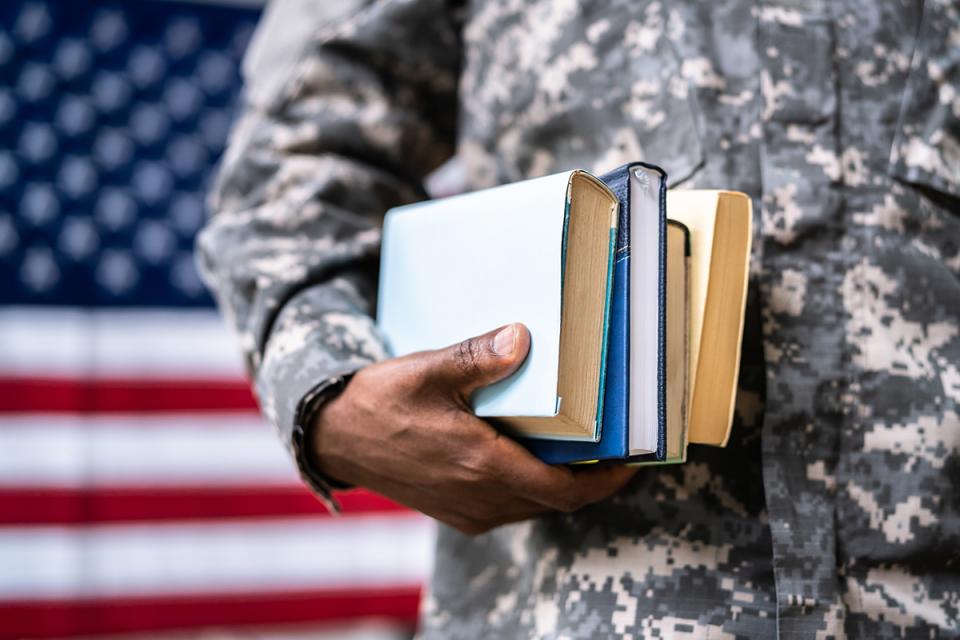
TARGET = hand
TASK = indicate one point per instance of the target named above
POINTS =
(404, 428)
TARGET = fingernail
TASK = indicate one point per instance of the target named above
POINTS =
(505, 341)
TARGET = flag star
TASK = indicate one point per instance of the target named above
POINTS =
(37, 142)
(149, 123)
(8, 106)
(72, 59)
(77, 176)
(186, 211)
(214, 128)
(216, 72)
(241, 38)
(35, 82)
(116, 271)
(110, 91)
(75, 115)
(112, 149)
(33, 23)
(109, 30)
(146, 66)
(182, 98)
(186, 156)
(39, 270)
(9, 238)
(183, 274)
(152, 181)
(115, 209)
(182, 37)
(39, 204)
(9, 171)
(78, 237)
(7, 50)
(154, 241)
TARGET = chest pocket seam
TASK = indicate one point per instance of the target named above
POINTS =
(926, 147)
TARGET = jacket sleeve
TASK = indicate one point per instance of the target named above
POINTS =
(343, 117)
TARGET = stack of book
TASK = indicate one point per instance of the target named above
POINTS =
(634, 297)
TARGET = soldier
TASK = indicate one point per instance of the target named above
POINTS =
(835, 511)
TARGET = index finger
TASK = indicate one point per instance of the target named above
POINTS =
(556, 487)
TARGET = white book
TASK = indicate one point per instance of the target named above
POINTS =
(461, 266)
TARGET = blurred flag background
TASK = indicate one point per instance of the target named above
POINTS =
(140, 493)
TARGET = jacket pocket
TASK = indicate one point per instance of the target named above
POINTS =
(926, 145)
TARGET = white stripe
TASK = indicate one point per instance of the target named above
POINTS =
(73, 342)
(151, 560)
(136, 450)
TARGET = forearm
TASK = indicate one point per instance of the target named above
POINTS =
(321, 333)
(314, 162)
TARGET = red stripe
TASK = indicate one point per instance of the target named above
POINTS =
(70, 395)
(96, 617)
(33, 506)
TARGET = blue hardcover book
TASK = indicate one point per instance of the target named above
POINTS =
(634, 418)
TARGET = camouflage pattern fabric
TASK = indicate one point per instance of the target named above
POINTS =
(835, 510)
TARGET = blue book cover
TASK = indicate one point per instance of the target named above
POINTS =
(614, 442)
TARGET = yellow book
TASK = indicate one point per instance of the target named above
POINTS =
(720, 225)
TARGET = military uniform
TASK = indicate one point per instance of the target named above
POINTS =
(835, 510)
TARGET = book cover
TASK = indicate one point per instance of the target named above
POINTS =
(678, 352)
(614, 442)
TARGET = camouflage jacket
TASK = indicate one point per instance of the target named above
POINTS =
(835, 510)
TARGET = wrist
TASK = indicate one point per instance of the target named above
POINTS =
(305, 435)
(321, 448)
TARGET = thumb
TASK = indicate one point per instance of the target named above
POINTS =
(480, 361)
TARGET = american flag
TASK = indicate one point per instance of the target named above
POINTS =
(140, 491)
